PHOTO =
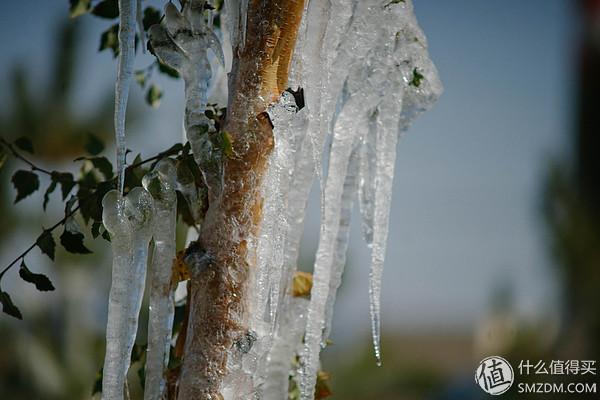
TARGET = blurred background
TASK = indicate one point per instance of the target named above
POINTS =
(494, 246)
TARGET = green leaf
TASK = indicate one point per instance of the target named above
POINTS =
(110, 40)
(8, 306)
(417, 78)
(67, 182)
(72, 237)
(165, 69)
(50, 189)
(24, 144)
(90, 202)
(96, 229)
(103, 165)
(97, 388)
(151, 17)
(40, 281)
(79, 7)
(107, 9)
(73, 242)
(94, 145)
(26, 182)
(46, 244)
(227, 145)
(140, 77)
(153, 96)
(106, 235)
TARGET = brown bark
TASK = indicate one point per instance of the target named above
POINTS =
(220, 260)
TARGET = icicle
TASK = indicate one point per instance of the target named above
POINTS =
(281, 354)
(129, 220)
(244, 20)
(410, 92)
(127, 21)
(140, 24)
(341, 149)
(343, 235)
(161, 184)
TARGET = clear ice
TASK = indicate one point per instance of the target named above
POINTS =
(127, 23)
(160, 183)
(366, 74)
(183, 43)
(129, 220)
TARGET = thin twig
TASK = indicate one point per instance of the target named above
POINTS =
(70, 213)
(16, 154)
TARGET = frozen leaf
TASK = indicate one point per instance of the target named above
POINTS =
(302, 284)
(40, 281)
(46, 244)
(165, 69)
(26, 182)
(417, 77)
(8, 306)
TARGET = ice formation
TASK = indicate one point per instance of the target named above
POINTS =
(127, 23)
(129, 220)
(183, 43)
(366, 74)
(161, 185)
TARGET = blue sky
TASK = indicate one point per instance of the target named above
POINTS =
(469, 177)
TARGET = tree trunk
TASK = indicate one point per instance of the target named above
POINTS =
(221, 262)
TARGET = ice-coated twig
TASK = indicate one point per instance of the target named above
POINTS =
(127, 23)
(182, 44)
(129, 221)
(161, 185)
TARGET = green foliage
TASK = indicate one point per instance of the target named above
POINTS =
(153, 95)
(46, 243)
(72, 240)
(8, 306)
(79, 7)
(96, 178)
(107, 9)
(109, 39)
(417, 78)
(40, 281)
(25, 182)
